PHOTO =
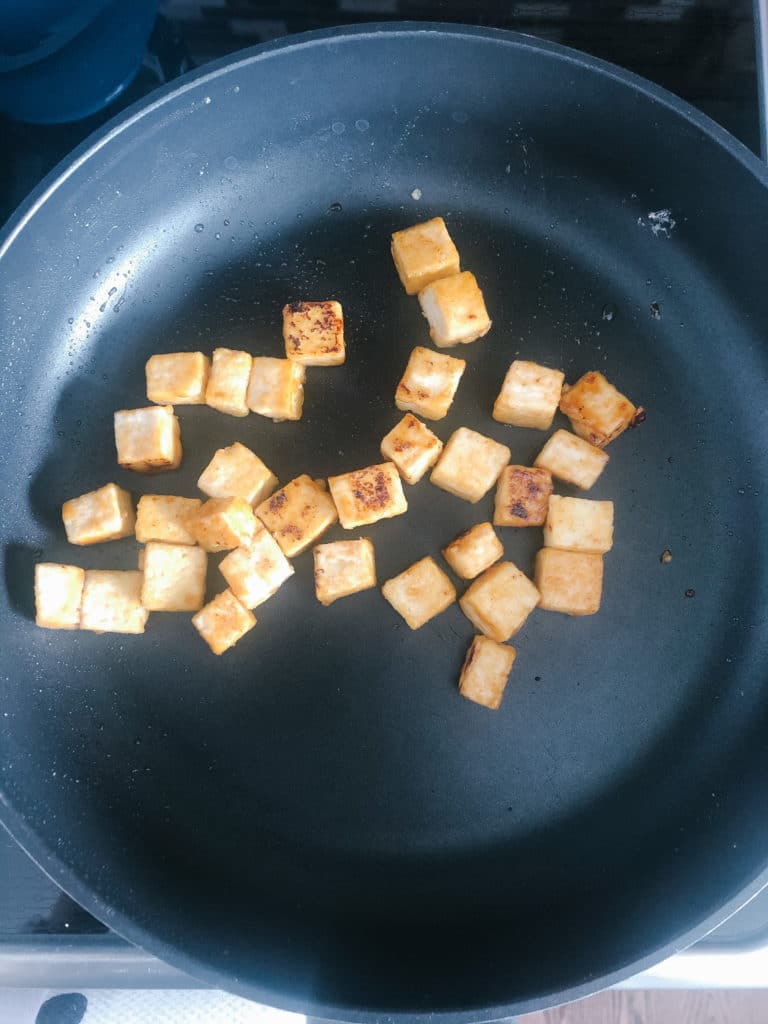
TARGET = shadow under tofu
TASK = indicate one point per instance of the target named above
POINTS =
(19, 572)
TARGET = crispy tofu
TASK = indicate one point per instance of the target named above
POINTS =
(429, 383)
(470, 464)
(222, 524)
(276, 388)
(174, 577)
(569, 581)
(485, 672)
(579, 524)
(148, 440)
(342, 568)
(298, 514)
(423, 253)
(223, 622)
(112, 602)
(522, 496)
(237, 472)
(455, 310)
(499, 601)
(105, 514)
(597, 411)
(164, 517)
(228, 381)
(412, 447)
(420, 593)
(58, 594)
(314, 333)
(529, 395)
(474, 551)
(572, 459)
(367, 495)
(256, 570)
(177, 378)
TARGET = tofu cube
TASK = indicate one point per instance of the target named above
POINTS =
(223, 622)
(597, 411)
(276, 388)
(412, 447)
(314, 333)
(499, 601)
(423, 253)
(58, 594)
(256, 570)
(148, 440)
(174, 577)
(485, 672)
(298, 514)
(164, 517)
(429, 383)
(222, 524)
(569, 581)
(529, 395)
(228, 381)
(470, 464)
(572, 459)
(522, 496)
(455, 310)
(420, 593)
(367, 495)
(579, 524)
(105, 514)
(473, 551)
(177, 378)
(237, 472)
(112, 602)
(342, 568)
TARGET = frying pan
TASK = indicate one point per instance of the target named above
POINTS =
(317, 820)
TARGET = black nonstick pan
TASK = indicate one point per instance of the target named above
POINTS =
(318, 820)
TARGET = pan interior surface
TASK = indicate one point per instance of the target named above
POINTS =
(318, 820)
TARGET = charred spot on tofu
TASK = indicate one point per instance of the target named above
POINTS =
(314, 333)
(522, 496)
(597, 411)
(298, 514)
(367, 495)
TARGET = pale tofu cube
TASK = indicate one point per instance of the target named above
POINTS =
(572, 459)
(367, 495)
(177, 378)
(499, 601)
(412, 447)
(597, 411)
(112, 602)
(58, 594)
(276, 388)
(429, 383)
(222, 524)
(342, 568)
(105, 514)
(522, 496)
(569, 581)
(529, 395)
(423, 253)
(223, 622)
(420, 593)
(174, 577)
(228, 381)
(164, 517)
(148, 440)
(485, 672)
(314, 333)
(237, 472)
(579, 524)
(455, 310)
(470, 464)
(298, 514)
(256, 570)
(474, 551)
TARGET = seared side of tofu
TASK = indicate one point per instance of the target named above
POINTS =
(58, 594)
(228, 381)
(423, 253)
(485, 672)
(569, 581)
(420, 593)
(222, 524)
(164, 517)
(474, 551)
(367, 495)
(298, 514)
(522, 496)
(174, 577)
(499, 601)
(101, 515)
(223, 621)
(342, 568)
(256, 570)
(579, 524)
(572, 459)
(529, 395)
(429, 383)
(148, 440)
(455, 310)
(177, 378)
(470, 464)
(597, 411)
(237, 472)
(314, 333)
(276, 388)
(112, 602)
(412, 447)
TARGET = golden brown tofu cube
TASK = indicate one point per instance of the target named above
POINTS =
(470, 464)
(105, 514)
(579, 524)
(572, 459)
(597, 411)
(174, 577)
(412, 447)
(529, 395)
(429, 383)
(148, 440)
(276, 388)
(522, 496)
(298, 514)
(256, 570)
(367, 495)
(237, 472)
(420, 593)
(228, 381)
(569, 581)
(342, 568)
(423, 253)
(222, 524)
(499, 601)
(455, 310)
(485, 672)
(112, 602)
(314, 333)
(177, 378)
(58, 593)
(473, 551)
(223, 622)
(164, 517)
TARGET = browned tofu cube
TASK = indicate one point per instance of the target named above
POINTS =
(228, 381)
(256, 570)
(499, 601)
(148, 440)
(572, 459)
(58, 593)
(105, 514)
(522, 496)
(298, 514)
(597, 411)
(429, 383)
(423, 253)
(342, 568)
(223, 622)
(367, 495)
(569, 581)
(420, 593)
(112, 602)
(485, 672)
(470, 464)
(529, 395)
(455, 310)
(164, 517)
(412, 447)
(222, 524)
(579, 524)
(276, 388)
(177, 378)
(314, 333)
(473, 551)
(174, 577)
(237, 472)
